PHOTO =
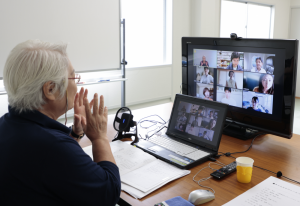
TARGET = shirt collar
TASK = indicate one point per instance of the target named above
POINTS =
(39, 118)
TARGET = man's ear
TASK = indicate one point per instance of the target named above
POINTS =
(48, 91)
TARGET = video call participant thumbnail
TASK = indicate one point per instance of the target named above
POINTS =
(235, 60)
(211, 125)
(227, 99)
(206, 78)
(207, 94)
(182, 118)
(259, 66)
(258, 102)
(231, 82)
(255, 105)
(204, 62)
(266, 84)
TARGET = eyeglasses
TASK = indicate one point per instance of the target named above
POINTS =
(78, 77)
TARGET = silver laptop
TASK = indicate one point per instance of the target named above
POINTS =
(193, 134)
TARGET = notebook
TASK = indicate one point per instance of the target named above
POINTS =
(193, 135)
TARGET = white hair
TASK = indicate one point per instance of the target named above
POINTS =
(28, 67)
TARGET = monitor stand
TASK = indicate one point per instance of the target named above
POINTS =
(238, 131)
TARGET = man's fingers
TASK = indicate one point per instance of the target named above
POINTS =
(101, 105)
(76, 101)
(92, 103)
(83, 122)
(81, 96)
(105, 112)
(87, 108)
(95, 106)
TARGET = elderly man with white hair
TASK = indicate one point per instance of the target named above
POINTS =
(41, 160)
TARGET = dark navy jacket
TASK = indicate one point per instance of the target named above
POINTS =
(40, 164)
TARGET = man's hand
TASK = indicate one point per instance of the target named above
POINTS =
(79, 112)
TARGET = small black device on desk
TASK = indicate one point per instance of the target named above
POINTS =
(224, 171)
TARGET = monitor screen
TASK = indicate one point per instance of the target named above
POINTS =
(249, 75)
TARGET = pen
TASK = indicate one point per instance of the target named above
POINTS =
(104, 80)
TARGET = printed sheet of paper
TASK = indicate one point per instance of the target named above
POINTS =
(151, 175)
(139, 194)
(128, 157)
(270, 192)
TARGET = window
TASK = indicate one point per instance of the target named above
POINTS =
(245, 19)
(148, 32)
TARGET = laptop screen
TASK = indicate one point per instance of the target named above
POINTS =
(198, 121)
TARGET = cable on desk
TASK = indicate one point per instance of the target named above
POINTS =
(230, 153)
(278, 174)
(206, 178)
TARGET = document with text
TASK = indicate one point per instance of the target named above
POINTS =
(270, 192)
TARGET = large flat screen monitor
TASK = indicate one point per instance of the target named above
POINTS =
(255, 77)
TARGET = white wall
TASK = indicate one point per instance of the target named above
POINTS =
(181, 28)
(295, 3)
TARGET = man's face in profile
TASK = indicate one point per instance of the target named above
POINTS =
(235, 62)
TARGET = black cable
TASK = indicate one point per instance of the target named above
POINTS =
(278, 174)
(228, 154)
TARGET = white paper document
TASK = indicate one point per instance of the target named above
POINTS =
(270, 192)
(141, 173)
(151, 175)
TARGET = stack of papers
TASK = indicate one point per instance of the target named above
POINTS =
(141, 173)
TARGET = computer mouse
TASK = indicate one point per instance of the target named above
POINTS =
(198, 197)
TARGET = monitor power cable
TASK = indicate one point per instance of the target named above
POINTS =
(230, 153)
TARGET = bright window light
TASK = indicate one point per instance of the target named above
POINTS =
(246, 19)
(148, 34)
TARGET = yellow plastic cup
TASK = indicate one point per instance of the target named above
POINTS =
(244, 169)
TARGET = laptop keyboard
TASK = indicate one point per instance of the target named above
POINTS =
(178, 148)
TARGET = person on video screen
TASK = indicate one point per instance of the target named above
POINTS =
(259, 66)
(206, 94)
(205, 136)
(235, 60)
(200, 112)
(198, 77)
(211, 115)
(211, 125)
(270, 65)
(266, 84)
(231, 82)
(191, 130)
(183, 109)
(181, 128)
(206, 78)
(227, 99)
(182, 118)
(204, 62)
(193, 109)
(255, 105)
(195, 122)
